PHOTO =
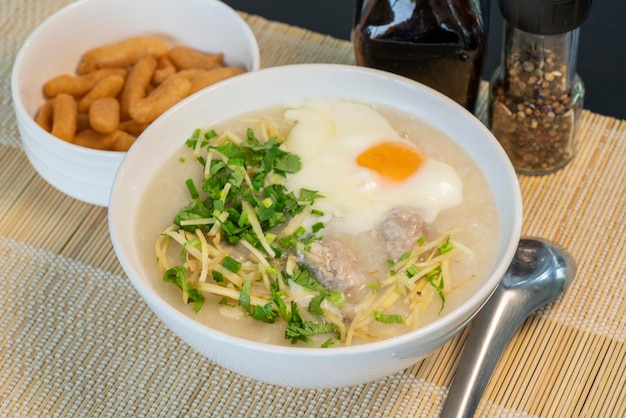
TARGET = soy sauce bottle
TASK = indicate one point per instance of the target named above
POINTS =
(440, 43)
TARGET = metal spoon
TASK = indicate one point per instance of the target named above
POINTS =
(539, 273)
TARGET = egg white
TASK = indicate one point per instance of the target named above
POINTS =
(328, 135)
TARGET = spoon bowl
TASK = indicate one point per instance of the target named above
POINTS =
(540, 272)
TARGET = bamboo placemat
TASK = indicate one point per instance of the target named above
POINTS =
(76, 339)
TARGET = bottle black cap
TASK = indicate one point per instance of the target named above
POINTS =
(545, 17)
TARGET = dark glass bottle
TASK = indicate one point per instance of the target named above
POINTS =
(440, 43)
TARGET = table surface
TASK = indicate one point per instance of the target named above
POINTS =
(602, 51)
(77, 340)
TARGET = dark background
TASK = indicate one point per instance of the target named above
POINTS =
(601, 53)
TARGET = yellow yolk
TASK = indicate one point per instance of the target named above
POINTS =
(392, 160)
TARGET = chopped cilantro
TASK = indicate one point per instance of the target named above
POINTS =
(244, 168)
(287, 163)
(280, 305)
(309, 195)
(315, 305)
(210, 134)
(264, 313)
(300, 330)
(194, 210)
(303, 276)
(177, 275)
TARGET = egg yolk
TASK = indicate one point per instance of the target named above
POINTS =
(392, 160)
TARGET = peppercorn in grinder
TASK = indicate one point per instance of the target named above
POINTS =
(535, 95)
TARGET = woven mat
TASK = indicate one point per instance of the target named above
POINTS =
(76, 340)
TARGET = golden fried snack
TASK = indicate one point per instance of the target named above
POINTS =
(190, 73)
(184, 57)
(78, 85)
(160, 99)
(137, 82)
(121, 54)
(132, 127)
(82, 122)
(213, 76)
(104, 115)
(44, 117)
(113, 141)
(109, 86)
(142, 73)
(122, 141)
(64, 116)
(150, 89)
(94, 139)
(164, 69)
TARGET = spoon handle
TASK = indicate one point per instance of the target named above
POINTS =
(492, 328)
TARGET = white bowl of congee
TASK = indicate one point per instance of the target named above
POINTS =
(316, 225)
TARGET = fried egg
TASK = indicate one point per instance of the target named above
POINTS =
(363, 167)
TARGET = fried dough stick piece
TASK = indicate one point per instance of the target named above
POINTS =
(121, 54)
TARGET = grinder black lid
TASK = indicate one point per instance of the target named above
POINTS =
(545, 17)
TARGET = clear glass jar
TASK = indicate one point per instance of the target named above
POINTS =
(440, 43)
(535, 95)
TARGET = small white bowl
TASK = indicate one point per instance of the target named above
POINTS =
(306, 367)
(56, 46)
